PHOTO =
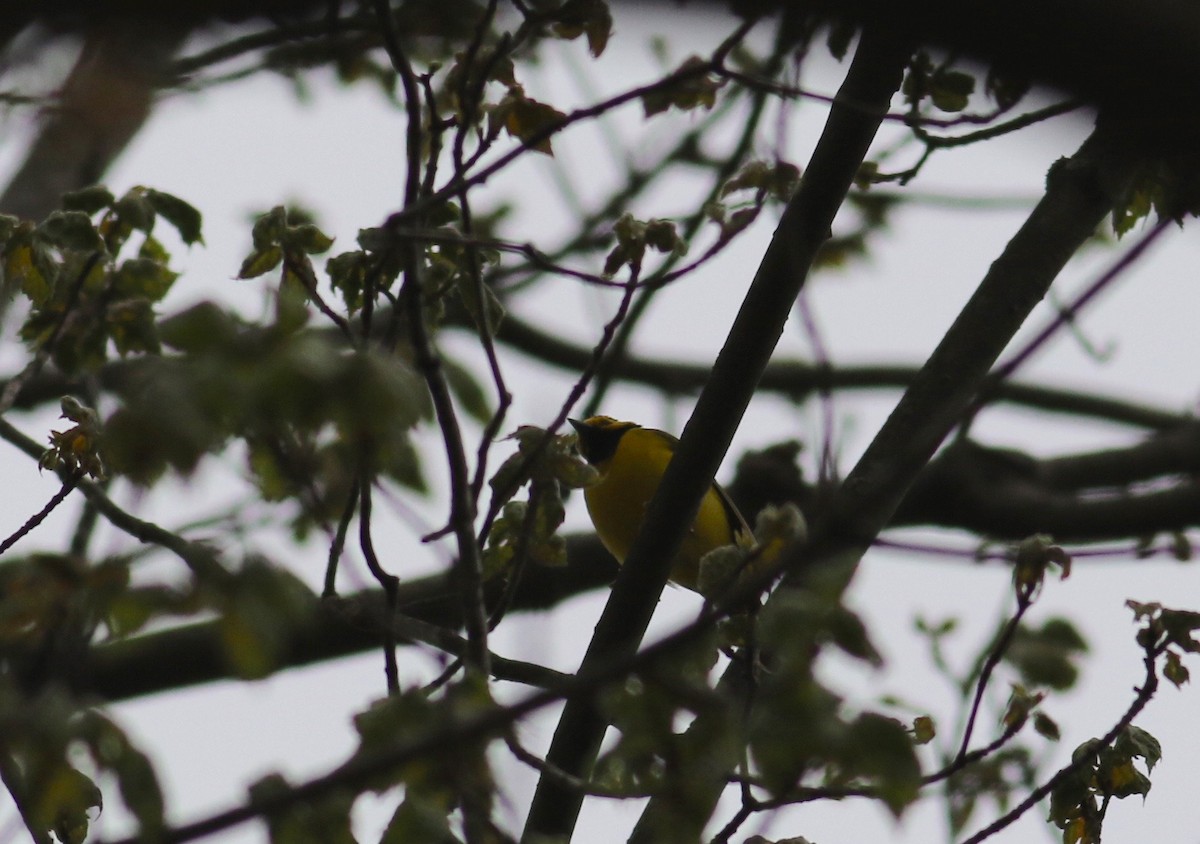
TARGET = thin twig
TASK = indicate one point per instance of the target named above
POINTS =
(339, 543)
(995, 654)
(388, 581)
(1143, 697)
(37, 518)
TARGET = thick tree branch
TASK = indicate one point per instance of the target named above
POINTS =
(800, 380)
(1080, 192)
(873, 77)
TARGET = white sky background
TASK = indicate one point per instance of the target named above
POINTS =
(245, 147)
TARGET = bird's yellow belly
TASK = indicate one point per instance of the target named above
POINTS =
(617, 505)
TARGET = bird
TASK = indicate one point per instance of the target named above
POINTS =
(631, 461)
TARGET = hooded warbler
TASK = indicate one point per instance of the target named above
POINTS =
(631, 461)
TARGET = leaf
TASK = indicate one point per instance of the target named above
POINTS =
(112, 751)
(718, 569)
(88, 200)
(1179, 626)
(1047, 656)
(269, 228)
(202, 327)
(64, 804)
(923, 729)
(259, 610)
(143, 277)
(1045, 726)
(260, 261)
(528, 120)
(1175, 670)
(481, 303)
(308, 238)
(348, 274)
(71, 230)
(585, 17)
(182, 216)
(1136, 742)
(21, 270)
(467, 390)
(880, 749)
(695, 89)
(131, 326)
(417, 819)
(136, 211)
(950, 90)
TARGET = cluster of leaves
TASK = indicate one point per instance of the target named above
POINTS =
(434, 786)
(1044, 657)
(763, 181)
(635, 236)
(1166, 187)
(310, 409)
(651, 757)
(76, 449)
(550, 465)
(947, 88)
(51, 608)
(45, 737)
(1170, 632)
(48, 603)
(801, 731)
(1099, 773)
(84, 293)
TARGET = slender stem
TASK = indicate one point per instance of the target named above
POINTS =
(389, 582)
(37, 518)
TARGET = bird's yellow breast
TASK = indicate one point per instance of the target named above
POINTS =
(617, 503)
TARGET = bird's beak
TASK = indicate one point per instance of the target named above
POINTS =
(577, 425)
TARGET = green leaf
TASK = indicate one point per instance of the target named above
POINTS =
(112, 751)
(419, 819)
(21, 270)
(698, 90)
(260, 261)
(1046, 726)
(308, 238)
(269, 228)
(64, 804)
(88, 200)
(526, 119)
(1175, 671)
(590, 17)
(1179, 626)
(202, 327)
(143, 277)
(923, 729)
(131, 326)
(481, 303)
(1047, 656)
(182, 216)
(467, 390)
(324, 820)
(348, 274)
(1136, 742)
(71, 230)
(718, 569)
(879, 748)
(259, 611)
(951, 90)
(136, 211)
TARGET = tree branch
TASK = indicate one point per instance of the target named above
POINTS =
(873, 77)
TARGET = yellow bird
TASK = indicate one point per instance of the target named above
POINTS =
(631, 461)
